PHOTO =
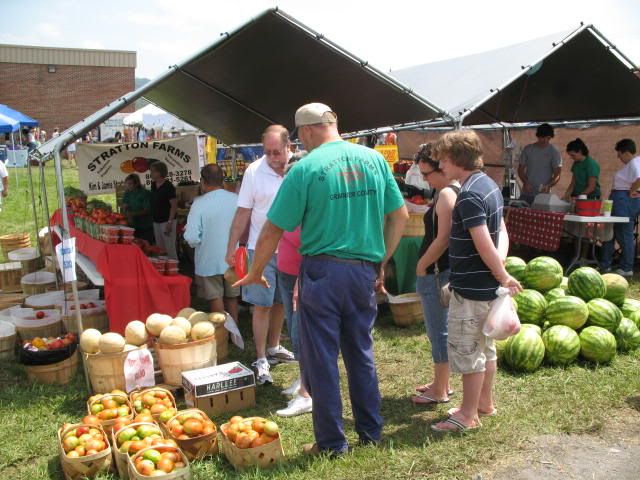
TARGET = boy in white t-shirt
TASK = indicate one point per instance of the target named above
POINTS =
(4, 182)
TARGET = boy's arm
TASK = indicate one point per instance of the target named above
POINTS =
(492, 258)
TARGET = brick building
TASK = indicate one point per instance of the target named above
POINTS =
(60, 86)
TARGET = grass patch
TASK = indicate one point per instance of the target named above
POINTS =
(577, 399)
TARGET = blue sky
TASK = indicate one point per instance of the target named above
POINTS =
(390, 35)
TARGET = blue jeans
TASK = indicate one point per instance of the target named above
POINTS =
(337, 311)
(435, 315)
(623, 206)
(286, 284)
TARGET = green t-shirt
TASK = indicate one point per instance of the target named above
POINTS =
(339, 194)
(582, 170)
(137, 200)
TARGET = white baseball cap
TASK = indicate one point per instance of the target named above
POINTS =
(314, 114)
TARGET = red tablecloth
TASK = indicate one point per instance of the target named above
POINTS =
(535, 228)
(133, 289)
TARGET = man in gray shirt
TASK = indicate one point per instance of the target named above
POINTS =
(540, 165)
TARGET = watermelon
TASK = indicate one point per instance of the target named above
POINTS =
(635, 317)
(531, 306)
(603, 313)
(627, 335)
(561, 344)
(586, 283)
(597, 344)
(564, 284)
(554, 293)
(543, 274)
(617, 287)
(546, 325)
(525, 350)
(501, 346)
(629, 306)
(532, 326)
(570, 311)
(515, 267)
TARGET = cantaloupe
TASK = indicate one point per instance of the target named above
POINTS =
(135, 333)
(111, 343)
(128, 347)
(90, 340)
(186, 312)
(196, 317)
(183, 323)
(172, 335)
(217, 318)
(202, 330)
(156, 322)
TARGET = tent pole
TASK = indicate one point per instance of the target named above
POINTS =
(65, 234)
(43, 185)
(33, 202)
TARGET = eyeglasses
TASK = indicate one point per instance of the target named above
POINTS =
(426, 175)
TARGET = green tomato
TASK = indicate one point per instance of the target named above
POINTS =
(126, 434)
(153, 455)
(96, 408)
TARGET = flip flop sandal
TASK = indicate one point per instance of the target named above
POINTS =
(459, 427)
(417, 400)
(423, 389)
(454, 410)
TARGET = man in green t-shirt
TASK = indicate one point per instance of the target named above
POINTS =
(585, 172)
(352, 216)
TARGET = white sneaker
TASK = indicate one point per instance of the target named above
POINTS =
(263, 375)
(624, 273)
(279, 354)
(298, 406)
(292, 389)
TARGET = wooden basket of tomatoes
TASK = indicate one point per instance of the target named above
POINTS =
(130, 439)
(161, 460)
(156, 401)
(251, 442)
(84, 451)
(194, 432)
(109, 408)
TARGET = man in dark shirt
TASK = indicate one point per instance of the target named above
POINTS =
(164, 206)
(477, 249)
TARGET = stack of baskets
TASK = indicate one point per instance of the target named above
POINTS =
(14, 241)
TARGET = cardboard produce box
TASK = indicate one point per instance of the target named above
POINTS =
(224, 388)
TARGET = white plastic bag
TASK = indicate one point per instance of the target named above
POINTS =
(502, 320)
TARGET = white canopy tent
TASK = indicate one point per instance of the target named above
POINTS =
(151, 116)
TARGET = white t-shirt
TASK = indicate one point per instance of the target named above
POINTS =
(260, 184)
(628, 174)
(3, 174)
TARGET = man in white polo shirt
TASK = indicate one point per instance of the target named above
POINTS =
(260, 184)
(4, 182)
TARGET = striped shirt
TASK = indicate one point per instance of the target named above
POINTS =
(479, 203)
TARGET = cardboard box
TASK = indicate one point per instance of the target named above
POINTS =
(224, 388)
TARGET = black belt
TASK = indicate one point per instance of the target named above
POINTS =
(350, 261)
(619, 190)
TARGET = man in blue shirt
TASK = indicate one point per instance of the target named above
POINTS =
(208, 227)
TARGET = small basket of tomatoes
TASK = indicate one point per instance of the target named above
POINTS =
(128, 440)
(156, 401)
(194, 432)
(109, 408)
(161, 460)
(251, 442)
(84, 451)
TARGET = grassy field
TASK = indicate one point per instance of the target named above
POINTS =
(579, 399)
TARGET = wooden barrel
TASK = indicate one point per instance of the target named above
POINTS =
(59, 373)
(8, 300)
(175, 359)
(106, 370)
(10, 276)
(38, 282)
(7, 340)
(14, 241)
(407, 309)
(28, 258)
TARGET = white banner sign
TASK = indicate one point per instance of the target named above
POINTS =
(102, 166)
(66, 254)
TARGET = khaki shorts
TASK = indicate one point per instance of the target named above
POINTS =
(468, 348)
(214, 287)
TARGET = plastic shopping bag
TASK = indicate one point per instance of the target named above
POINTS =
(502, 320)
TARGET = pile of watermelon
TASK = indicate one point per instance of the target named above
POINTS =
(586, 314)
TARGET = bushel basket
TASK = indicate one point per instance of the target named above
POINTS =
(84, 467)
(195, 448)
(183, 473)
(264, 456)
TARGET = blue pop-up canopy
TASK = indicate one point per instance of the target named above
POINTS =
(8, 124)
(21, 118)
